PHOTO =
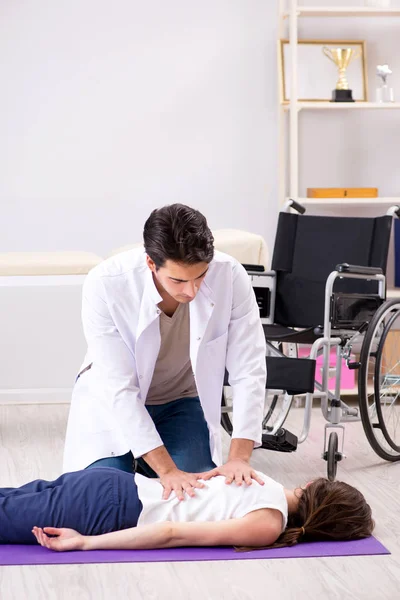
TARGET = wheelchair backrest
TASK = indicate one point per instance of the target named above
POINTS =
(308, 248)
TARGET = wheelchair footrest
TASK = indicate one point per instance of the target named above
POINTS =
(281, 441)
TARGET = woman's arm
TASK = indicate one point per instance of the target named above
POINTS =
(258, 528)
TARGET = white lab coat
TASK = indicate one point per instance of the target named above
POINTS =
(120, 318)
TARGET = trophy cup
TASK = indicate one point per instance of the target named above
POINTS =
(384, 93)
(342, 57)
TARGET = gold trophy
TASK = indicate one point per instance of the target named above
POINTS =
(342, 57)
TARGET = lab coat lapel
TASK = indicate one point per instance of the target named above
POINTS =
(201, 310)
(148, 307)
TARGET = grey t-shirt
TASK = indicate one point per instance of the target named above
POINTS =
(173, 375)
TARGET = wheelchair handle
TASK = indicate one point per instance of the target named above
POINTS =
(296, 206)
(394, 210)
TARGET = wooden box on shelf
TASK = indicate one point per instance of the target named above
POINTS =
(342, 192)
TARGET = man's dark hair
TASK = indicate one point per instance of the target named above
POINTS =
(178, 233)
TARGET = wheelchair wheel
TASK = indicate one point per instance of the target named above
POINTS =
(332, 456)
(379, 381)
(226, 407)
(276, 410)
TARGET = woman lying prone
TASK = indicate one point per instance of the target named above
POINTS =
(104, 508)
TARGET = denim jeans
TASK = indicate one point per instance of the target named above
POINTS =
(184, 432)
(93, 503)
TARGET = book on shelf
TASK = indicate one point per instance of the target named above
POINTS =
(342, 192)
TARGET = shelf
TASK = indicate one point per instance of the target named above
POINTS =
(349, 201)
(392, 293)
(343, 11)
(321, 105)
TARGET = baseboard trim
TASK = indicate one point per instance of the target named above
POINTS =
(36, 396)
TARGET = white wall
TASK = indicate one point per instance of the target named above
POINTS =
(110, 109)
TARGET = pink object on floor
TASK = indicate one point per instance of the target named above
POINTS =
(347, 381)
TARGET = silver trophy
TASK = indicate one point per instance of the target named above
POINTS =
(384, 93)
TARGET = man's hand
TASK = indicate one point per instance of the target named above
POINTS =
(179, 482)
(171, 478)
(66, 539)
(236, 470)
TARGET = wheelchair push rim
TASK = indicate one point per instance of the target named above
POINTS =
(386, 379)
(379, 382)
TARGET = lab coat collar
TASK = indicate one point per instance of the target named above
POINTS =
(151, 292)
(149, 310)
(200, 308)
(205, 289)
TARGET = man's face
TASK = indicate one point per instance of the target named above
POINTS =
(180, 281)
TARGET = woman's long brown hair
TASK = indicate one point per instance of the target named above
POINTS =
(327, 510)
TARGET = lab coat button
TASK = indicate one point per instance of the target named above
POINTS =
(140, 376)
(112, 453)
(198, 339)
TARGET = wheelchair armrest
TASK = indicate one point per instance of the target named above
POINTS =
(258, 268)
(358, 270)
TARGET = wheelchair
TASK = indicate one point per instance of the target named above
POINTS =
(327, 289)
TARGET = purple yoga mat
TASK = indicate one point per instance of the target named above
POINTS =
(36, 555)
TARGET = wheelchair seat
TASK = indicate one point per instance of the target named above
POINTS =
(279, 333)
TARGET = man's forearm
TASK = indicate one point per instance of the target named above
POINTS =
(159, 460)
(241, 448)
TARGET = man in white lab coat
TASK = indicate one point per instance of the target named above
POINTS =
(161, 324)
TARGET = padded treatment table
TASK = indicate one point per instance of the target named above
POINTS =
(42, 337)
(246, 247)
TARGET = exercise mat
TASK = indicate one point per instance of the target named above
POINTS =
(36, 555)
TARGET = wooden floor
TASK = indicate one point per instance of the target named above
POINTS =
(31, 445)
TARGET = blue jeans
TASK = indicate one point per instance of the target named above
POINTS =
(184, 432)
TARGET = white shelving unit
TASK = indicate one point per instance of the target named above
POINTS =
(319, 105)
(289, 14)
(343, 11)
(387, 202)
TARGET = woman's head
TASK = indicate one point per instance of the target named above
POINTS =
(328, 510)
